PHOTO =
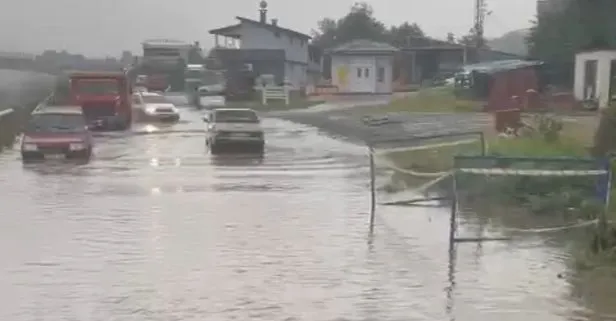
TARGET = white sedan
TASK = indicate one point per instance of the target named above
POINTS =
(155, 106)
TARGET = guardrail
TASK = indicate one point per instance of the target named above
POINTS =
(7, 128)
(274, 93)
(13, 119)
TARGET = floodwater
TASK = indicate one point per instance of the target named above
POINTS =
(155, 228)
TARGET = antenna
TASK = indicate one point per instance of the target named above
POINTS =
(480, 17)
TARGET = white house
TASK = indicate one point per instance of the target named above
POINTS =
(363, 66)
(257, 36)
(595, 76)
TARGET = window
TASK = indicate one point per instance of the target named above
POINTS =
(98, 87)
(236, 116)
(366, 72)
(151, 99)
(161, 52)
(358, 72)
(381, 74)
(55, 123)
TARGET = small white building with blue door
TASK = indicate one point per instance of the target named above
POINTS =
(363, 67)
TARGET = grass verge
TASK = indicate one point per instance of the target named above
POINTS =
(576, 138)
(440, 99)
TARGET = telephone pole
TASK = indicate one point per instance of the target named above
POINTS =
(480, 16)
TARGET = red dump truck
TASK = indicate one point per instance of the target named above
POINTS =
(105, 98)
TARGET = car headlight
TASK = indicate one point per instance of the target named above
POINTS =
(150, 110)
(29, 147)
(77, 146)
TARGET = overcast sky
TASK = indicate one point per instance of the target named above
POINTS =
(105, 27)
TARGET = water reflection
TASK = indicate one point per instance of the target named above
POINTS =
(58, 168)
(237, 159)
(155, 228)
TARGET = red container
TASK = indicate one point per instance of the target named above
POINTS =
(510, 88)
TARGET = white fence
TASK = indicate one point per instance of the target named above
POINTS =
(274, 93)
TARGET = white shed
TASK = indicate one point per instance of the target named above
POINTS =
(363, 66)
(595, 76)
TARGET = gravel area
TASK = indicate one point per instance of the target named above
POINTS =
(358, 122)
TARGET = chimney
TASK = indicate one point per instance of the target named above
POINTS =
(274, 22)
(263, 12)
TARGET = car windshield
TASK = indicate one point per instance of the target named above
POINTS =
(52, 123)
(98, 87)
(236, 116)
(154, 99)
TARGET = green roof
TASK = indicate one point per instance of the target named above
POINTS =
(500, 65)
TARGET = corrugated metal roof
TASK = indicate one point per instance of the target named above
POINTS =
(500, 65)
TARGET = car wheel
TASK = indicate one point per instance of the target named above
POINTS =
(28, 157)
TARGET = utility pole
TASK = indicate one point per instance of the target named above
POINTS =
(480, 16)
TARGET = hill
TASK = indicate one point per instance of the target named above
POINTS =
(512, 42)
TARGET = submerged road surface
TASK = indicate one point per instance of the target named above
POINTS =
(154, 228)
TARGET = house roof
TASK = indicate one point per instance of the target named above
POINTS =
(231, 31)
(500, 65)
(228, 31)
(418, 42)
(363, 46)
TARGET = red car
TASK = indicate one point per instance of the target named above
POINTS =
(56, 132)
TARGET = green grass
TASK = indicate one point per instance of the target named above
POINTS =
(432, 100)
(432, 160)
(535, 147)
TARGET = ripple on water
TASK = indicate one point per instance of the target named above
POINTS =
(154, 228)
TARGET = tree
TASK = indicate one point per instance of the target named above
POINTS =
(451, 38)
(399, 35)
(360, 23)
(581, 25)
(471, 39)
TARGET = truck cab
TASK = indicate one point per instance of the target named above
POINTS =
(105, 98)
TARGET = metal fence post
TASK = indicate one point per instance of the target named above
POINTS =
(372, 189)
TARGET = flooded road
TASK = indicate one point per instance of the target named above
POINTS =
(154, 228)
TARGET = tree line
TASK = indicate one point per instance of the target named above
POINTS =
(581, 25)
(360, 23)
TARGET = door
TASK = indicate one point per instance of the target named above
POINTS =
(363, 78)
(590, 80)
(613, 80)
